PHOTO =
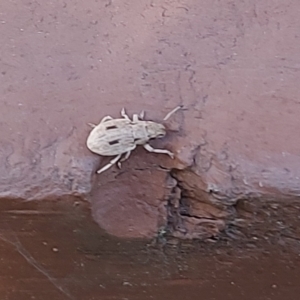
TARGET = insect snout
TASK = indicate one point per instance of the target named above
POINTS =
(155, 130)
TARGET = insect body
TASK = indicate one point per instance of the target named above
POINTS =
(120, 136)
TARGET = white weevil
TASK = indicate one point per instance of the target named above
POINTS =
(120, 136)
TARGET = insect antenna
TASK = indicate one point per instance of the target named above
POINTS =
(172, 112)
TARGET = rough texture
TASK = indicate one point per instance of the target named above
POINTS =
(235, 67)
(54, 250)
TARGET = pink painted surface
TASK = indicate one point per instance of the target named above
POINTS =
(233, 65)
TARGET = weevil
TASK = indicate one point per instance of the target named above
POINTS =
(120, 136)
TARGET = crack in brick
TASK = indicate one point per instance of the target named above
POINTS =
(182, 222)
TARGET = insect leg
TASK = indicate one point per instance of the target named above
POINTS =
(142, 115)
(123, 159)
(124, 115)
(135, 118)
(112, 162)
(107, 118)
(92, 125)
(163, 151)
